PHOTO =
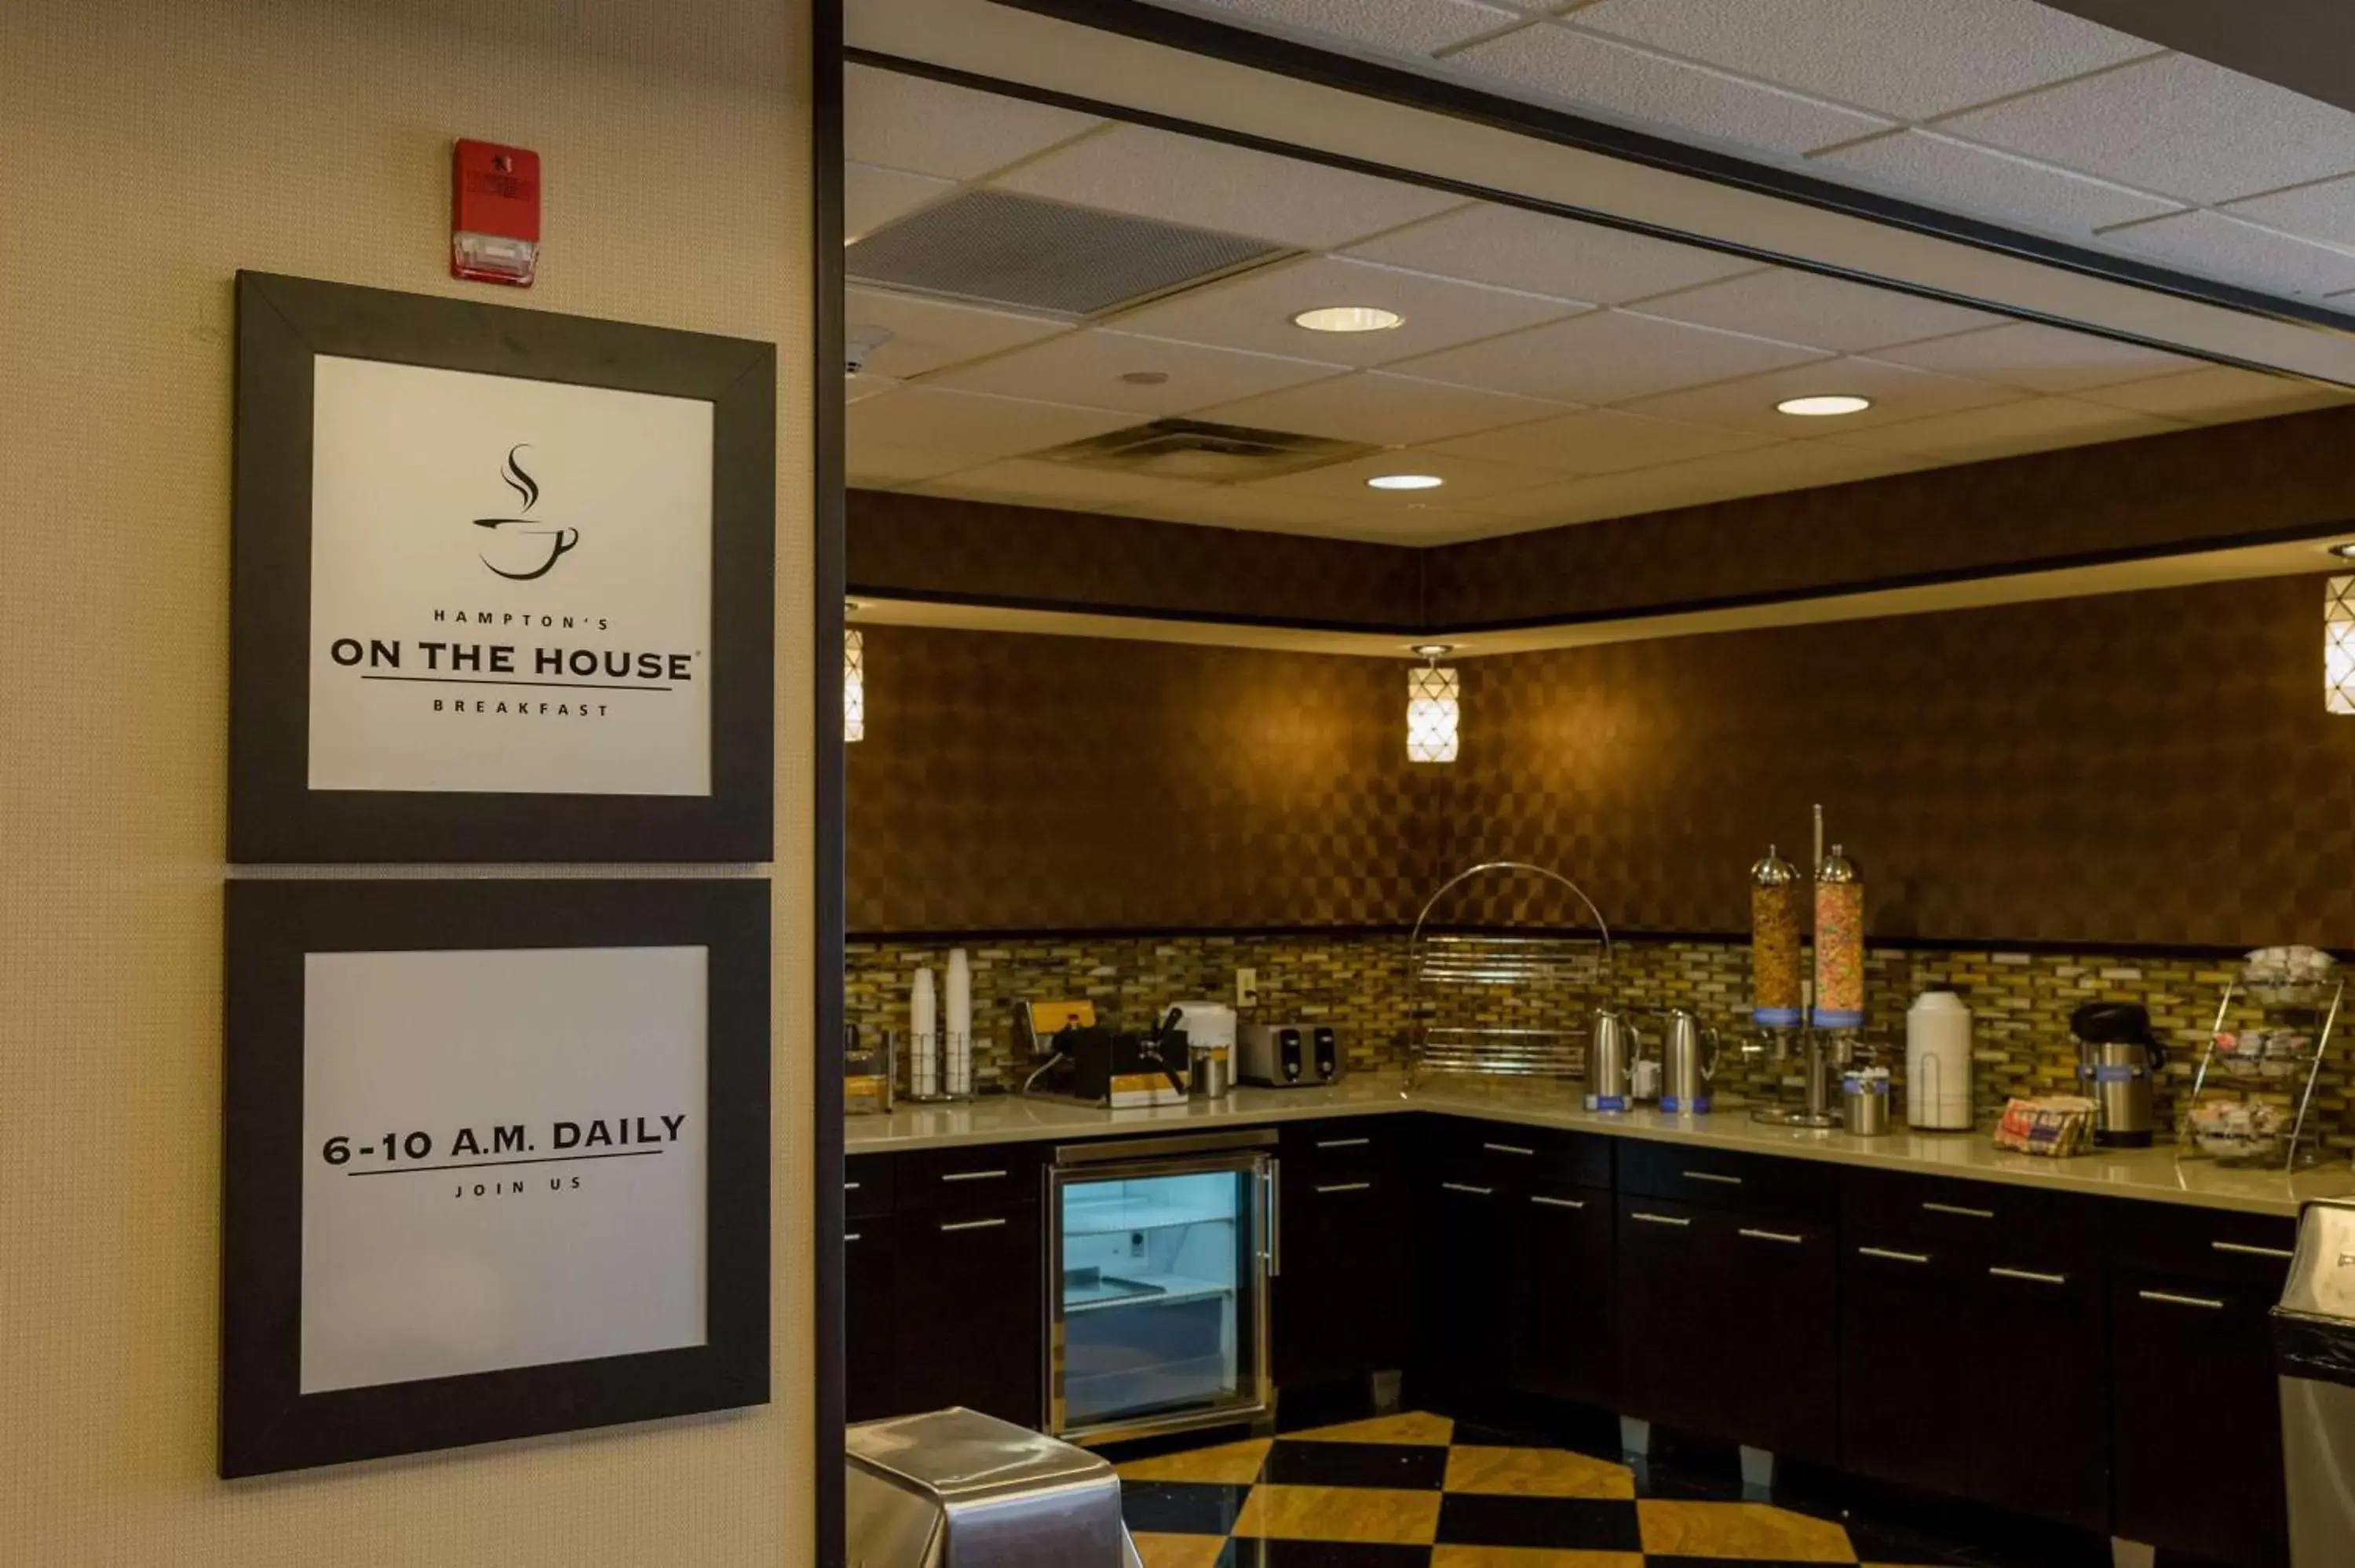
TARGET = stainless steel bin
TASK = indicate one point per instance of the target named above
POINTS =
(2314, 1352)
(956, 1489)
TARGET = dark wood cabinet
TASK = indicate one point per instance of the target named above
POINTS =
(971, 1311)
(1776, 1354)
(1339, 1299)
(870, 1305)
(1908, 1316)
(1463, 1274)
(1561, 1330)
(1675, 1269)
(2040, 1432)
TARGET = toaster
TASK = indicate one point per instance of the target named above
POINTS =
(1287, 1055)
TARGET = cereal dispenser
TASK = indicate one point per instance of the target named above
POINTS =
(1775, 964)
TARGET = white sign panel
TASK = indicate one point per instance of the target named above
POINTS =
(504, 1160)
(510, 585)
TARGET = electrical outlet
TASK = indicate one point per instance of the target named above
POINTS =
(1246, 987)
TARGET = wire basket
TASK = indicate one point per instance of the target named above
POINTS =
(1506, 964)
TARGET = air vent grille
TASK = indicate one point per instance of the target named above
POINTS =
(1191, 448)
(992, 247)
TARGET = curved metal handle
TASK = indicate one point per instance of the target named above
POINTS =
(1448, 886)
(1716, 1050)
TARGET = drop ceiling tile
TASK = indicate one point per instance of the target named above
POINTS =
(1600, 440)
(973, 427)
(1763, 471)
(927, 335)
(2175, 125)
(1387, 410)
(1822, 313)
(1086, 367)
(1233, 190)
(1952, 53)
(873, 196)
(2218, 394)
(931, 128)
(1898, 393)
(1395, 26)
(1608, 356)
(2323, 211)
(2221, 247)
(1591, 73)
(1546, 255)
(1254, 311)
(1421, 526)
(1941, 172)
(2038, 358)
(860, 388)
(1239, 506)
(2036, 424)
(872, 461)
(1346, 481)
(1058, 484)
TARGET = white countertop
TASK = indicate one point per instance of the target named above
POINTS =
(2154, 1174)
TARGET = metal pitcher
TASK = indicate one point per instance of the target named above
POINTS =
(1684, 1085)
(1609, 1055)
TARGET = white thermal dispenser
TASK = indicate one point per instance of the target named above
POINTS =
(1938, 1062)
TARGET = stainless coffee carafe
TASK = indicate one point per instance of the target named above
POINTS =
(2117, 1060)
(1684, 1084)
(1610, 1055)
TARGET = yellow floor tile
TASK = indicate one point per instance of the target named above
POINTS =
(1231, 1464)
(1740, 1529)
(1414, 1426)
(1341, 1513)
(1530, 1557)
(1536, 1473)
(1180, 1550)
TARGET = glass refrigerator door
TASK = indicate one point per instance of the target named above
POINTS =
(1160, 1312)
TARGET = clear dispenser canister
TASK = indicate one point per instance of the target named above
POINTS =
(1839, 943)
(1774, 943)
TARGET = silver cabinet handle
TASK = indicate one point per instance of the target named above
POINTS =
(850, 1236)
(1343, 1142)
(2029, 1275)
(1657, 1219)
(1276, 1216)
(1507, 1148)
(2245, 1250)
(1557, 1203)
(1460, 1187)
(1785, 1237)
(970, 1175)
(1712, 1176)
(972, 1225)
(1343, 1186)
(2172, 1299)
(850, 1186)
(1963, 1209)
(1892, 1257)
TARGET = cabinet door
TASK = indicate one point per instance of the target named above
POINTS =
(871, 1325)
(1338, 1299)
(1674, 1274)
(1908, 1377)
(1464, 1272)
(971, 1309)
(2039, 1430)
(2192, 1355)
(1561, 1297)
(1779, 1336)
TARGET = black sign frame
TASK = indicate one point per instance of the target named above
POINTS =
(283, 324)
(267, 1424)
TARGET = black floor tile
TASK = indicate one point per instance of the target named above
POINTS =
(1575, 1524)
(1328, 1404)
(1181, 1507)
(1322, 1554)
(1294, 1462)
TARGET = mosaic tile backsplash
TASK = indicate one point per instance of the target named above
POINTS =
(1359, 983)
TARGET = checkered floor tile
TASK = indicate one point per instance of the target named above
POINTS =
(1415, 1491)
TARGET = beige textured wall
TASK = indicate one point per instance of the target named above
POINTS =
(149, 148)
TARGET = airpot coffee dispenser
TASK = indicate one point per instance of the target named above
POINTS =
(2117, 1060)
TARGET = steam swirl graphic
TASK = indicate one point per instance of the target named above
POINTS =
(519, 482)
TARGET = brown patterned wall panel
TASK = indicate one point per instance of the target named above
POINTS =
(1012, 782)
(2136, 768)
(2159, 490)
(919, 546)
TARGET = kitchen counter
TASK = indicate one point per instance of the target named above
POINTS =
(2156, 1175)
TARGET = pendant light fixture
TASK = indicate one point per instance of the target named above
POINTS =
(1434, 707)
(854, 682)
(2338, 645)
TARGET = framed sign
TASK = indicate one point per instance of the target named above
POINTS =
(496, 1164)
(504, 584)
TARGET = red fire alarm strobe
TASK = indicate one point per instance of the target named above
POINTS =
(494, 212)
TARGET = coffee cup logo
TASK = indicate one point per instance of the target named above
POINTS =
(530, 546)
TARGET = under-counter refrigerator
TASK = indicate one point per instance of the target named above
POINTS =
(1158, 1257)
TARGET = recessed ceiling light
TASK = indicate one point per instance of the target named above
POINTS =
(1347, 318)
(1823, 407)
(1145, 378)
(1405, 481)
(2345, 552)
(1432, 649)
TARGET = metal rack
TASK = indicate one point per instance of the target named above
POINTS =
(2219, 1073)
(1508, 1003)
